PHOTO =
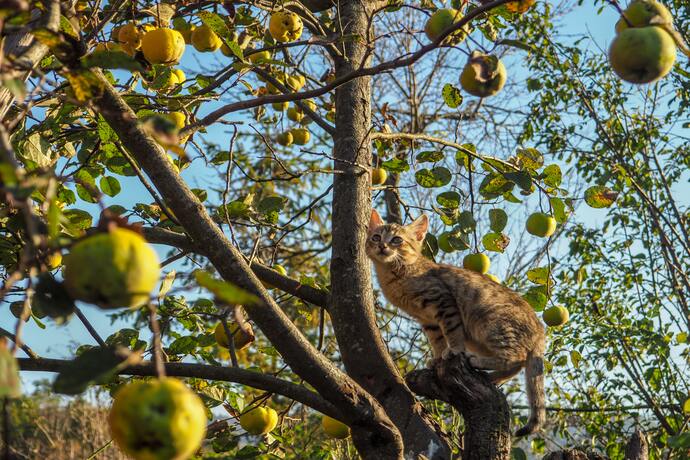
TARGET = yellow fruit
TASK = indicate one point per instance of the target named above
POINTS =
(493, 278)
(642, 55)
(179, 74)
(157, 420)
(260, 420)
(205, 39)
(280, 106)
(54, 260)
(145, 28)
(107, 46)
(441, 20)
(130, 34)
(520, 6)
(476, 262)
(113, 269)
(285, 26)
(129, 48)
(240, 338)
(260, 57)
(295, 114)
(643, 13)
(163, 46)
(334, 428)
(483, 76)
(300, 136)
(178, 118)
(330, 115)
(295, 82)
(186, 32)
(378, 176)
(285, 138)
(115, 33)
(555, 316)
(541, 225)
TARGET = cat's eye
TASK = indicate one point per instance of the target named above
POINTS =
(376, 238)
(396, 241)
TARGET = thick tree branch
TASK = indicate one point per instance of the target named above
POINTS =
(318, 297)
(207, 372)
(25, 348)
(483, 406)
(369, 423)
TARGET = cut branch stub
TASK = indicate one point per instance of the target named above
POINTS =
(482, 405)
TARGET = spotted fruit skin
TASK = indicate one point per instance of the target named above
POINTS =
(157, 420)
(113, 269)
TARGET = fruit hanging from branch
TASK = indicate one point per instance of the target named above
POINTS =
(484, 75)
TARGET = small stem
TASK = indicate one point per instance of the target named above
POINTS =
(89, 327)
(231, 338)
(157, 346)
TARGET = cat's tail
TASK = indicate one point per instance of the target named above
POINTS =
(534, 381)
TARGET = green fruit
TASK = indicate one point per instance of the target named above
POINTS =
(285, 138)
(260, 420)
(541, 225)
(441, 20)
(642, 55)
(240, 338)
(259, 57)
(157, 420)
(113, 269)
(555, 316)
(483, 75)
(378, 176)
(334, 428)
(476, 262)
(643, 13)
(280, 106)
(300, 136)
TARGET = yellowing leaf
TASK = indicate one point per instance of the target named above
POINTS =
(599, 196)
(225, 291)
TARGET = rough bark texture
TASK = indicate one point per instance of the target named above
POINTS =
(637, 447)
(483, 406)
(352, 300)
(573, 454)
(372, 431)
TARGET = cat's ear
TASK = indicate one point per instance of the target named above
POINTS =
(419, 227)
(375, 221)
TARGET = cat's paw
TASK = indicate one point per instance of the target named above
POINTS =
(449, 353)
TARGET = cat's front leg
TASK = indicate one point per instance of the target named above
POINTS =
(437, 341)
(451, 325)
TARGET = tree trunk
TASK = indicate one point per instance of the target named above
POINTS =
(484, 408)
(352, 305)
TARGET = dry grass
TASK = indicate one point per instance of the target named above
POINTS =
(46, 428)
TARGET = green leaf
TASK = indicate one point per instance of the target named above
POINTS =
(272, 203)
(452, 96)
(449, 200)
(498, 219)
(686, 406)
(575, 358)
(516, 44)
(128, 338)
(95, 366)
(109, 185)
(495, 185)
(430, 246)
(225, 291)
(51, 299)
(496, 242)
(466, 222)
(681, 441)
(166, 284)
(396, 165)
(112, 60)
(16, 87)
(539, 275)
(559, 209)
(530, 158)
(536, 299)
(9, 372)
(431, 156)
(435, 177)
(552, 176)
(78, 220)
(599, 196)
(517, 454)
(36, 149)
(521, 178)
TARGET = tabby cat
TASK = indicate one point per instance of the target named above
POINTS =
(461, 311)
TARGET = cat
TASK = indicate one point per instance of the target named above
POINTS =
(461, 311)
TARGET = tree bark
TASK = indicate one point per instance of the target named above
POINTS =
(352, 302)
(483, 406)
(372, 431)
(637, 447)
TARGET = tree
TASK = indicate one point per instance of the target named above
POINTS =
(278, 232)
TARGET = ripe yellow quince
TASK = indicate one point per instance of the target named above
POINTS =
(260, 420)
(204, 39)
(163, 46)
(285, 26)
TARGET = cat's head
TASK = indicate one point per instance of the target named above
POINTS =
(395, 244)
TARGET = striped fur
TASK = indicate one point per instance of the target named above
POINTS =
(461, 311)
